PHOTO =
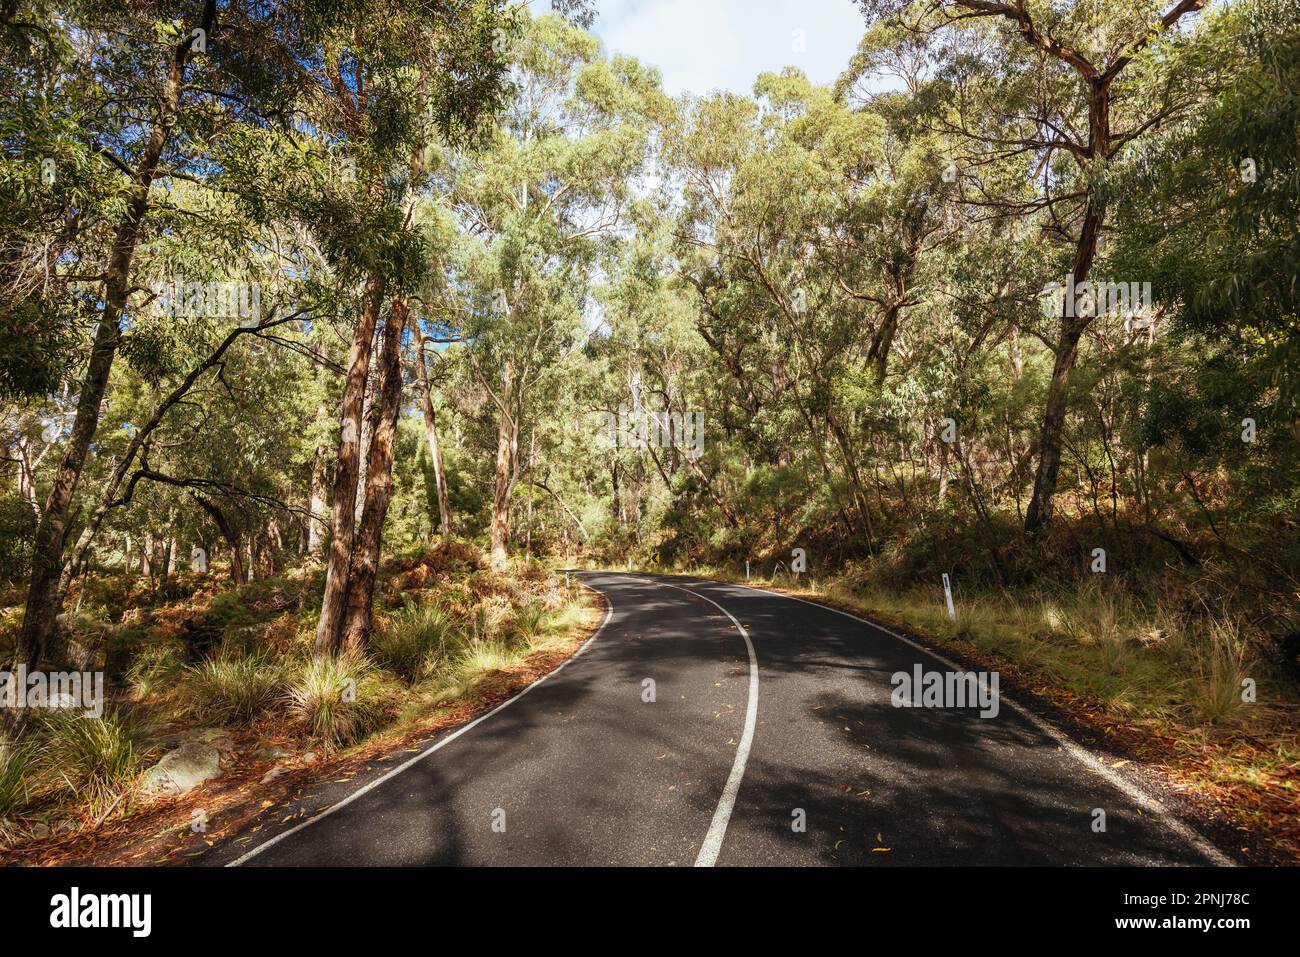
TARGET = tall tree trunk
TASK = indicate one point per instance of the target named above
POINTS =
(274, 546)
(379, 481)
(851, 468)
(363, 451)
(51, 532)
(616, 504)
(528, 520)
(317, 521)
(27, 476)
(342, 515)
(47, 549)
(882, 342)
(431, 432)
(503, 481)
(1041, 502)
(1072, 327)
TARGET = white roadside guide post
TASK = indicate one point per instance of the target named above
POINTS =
(947, 594)
(746, 569)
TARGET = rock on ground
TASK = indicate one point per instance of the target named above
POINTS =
(184, 769)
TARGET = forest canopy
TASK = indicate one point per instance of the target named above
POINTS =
(317, 282)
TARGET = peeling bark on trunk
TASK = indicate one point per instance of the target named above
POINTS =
(329, 628)
(27, 476)
(363, 451)
(528, 519)
(379, 483)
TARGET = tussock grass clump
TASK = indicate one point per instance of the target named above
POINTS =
(1222, 664)
(488, 619)
(1142, 655)
(16, 760)
(340, 699)
(416, 641)
(534, 628)
(530, 618)
(230, 689)
(486, 657)
(94, 758)
(153, 668)
(568, 617)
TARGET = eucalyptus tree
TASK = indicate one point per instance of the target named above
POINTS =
(1211, 210)
(129, 97)
(231, 455)
(659, 423)
(378, 85)
(536, 209)
(817, 226)
(1061, 90)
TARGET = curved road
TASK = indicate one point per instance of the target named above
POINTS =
(768, 712)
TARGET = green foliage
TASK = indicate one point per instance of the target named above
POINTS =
(843, 283)
(17, 529)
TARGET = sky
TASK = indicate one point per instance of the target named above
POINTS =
(703, 45)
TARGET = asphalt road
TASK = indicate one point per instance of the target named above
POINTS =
(768, 713)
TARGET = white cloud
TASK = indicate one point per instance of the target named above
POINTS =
(703, 45)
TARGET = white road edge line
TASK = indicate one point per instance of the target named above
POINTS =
(712, 845)
(609, 613)
(1079, 753)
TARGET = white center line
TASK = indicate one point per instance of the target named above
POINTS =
(712, 845)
